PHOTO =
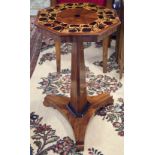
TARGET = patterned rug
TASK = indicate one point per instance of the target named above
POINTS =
(51, 134)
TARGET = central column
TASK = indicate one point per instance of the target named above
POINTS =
(78, 94)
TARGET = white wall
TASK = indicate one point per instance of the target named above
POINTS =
(38, 4)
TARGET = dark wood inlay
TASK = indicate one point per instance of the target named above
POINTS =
(74, 17)
(77, 16)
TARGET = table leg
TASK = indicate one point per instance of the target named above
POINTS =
(58, 55)
(78, 83)
(35, 47)
(79, 108)
(121, 51)
(105, 53)
(117, 44)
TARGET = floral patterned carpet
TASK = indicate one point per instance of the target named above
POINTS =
(51, 134)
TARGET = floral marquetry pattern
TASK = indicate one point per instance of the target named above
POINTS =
(59, 18)
(59, 84)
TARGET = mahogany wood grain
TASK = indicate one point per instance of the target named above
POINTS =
(120, 42)
(121, 50)
(109, 3)
(53, 2)
(105, 53)
(57, 102)
(79, 125)
(77, 16)
(58, 55)
(78, 83)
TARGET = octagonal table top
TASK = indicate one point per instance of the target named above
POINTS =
(77, 19)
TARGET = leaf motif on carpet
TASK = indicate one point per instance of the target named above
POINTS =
(45, 140)
(59, 84)
(111, 65)
(115, 115)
